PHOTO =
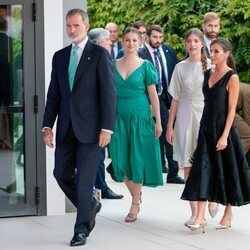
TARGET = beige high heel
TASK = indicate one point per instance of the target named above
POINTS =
(213, 212)
(225, 226)
(132, 216)
(190, 221)
(202, 225)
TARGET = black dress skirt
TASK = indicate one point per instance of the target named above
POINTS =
(218, 176)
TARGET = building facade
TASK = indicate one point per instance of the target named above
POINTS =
(30, 32)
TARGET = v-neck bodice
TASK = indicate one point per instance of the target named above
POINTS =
(135, 85)
(130, 74)
(216, 99)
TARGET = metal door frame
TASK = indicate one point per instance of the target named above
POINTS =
(34, 88)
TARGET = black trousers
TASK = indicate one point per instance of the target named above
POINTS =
(76, 166)
(100, 182)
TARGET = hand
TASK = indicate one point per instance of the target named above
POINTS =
(170, 135)
(48, 137)
(104, 138)
(158, 129)
(221, 144)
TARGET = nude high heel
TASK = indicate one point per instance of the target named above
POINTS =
(202, 225)
(132, 216)
(225, 226)
(190, 221)
(213, 212)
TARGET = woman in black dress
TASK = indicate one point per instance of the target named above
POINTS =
(220, 172)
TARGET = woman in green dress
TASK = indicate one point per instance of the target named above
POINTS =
(134, 145)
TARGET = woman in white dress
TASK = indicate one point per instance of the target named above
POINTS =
(187, 104)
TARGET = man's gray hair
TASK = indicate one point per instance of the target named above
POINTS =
(98, 35)
(80, 12)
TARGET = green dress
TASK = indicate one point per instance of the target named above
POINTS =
(135, 151)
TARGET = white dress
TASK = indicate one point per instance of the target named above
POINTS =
(186, 88)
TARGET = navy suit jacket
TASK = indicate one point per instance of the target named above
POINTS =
(169, 55)
(91, 105)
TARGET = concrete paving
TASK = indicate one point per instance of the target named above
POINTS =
(160, 225)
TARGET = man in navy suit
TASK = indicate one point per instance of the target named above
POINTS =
(85, 112)
(166, 60)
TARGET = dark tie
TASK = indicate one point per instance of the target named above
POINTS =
(72, 66)
(163, 75)
(112, 51)
(157, 66)
(164, 80)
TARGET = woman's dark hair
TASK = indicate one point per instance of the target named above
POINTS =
(199, 34)
(226, 46)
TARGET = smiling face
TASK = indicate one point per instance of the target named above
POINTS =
(193, 45)
(131, 42)
(76, 28)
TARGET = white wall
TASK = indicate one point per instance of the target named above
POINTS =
(53, 41)
(55, 38)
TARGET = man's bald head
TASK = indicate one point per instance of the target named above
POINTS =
(113, 28)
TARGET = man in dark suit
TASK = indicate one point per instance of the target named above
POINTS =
(211, 29)
(164, 58)
(101, 37)
(82, 95)
(115, 46)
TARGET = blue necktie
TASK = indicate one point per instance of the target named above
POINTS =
(157, 66)
(72, 66)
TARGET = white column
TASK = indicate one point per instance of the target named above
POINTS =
(55, 38)
(53, 41)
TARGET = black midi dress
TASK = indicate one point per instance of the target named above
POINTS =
(219, 176)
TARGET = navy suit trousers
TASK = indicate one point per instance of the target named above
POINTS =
(76, 166)
(100, 182)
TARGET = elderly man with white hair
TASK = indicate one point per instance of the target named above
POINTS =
(101, 37)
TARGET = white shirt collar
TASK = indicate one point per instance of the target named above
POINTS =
(151, 50)
(207, 41)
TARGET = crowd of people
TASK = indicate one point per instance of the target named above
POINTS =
(156, 115)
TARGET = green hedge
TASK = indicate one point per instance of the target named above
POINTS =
(177, 16)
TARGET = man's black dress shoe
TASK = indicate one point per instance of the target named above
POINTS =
(176, 180)
(96, 209)
(78, 239)
(109, 194)
(110, 170)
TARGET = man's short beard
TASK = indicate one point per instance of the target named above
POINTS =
(153, 46)
(214, 35)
